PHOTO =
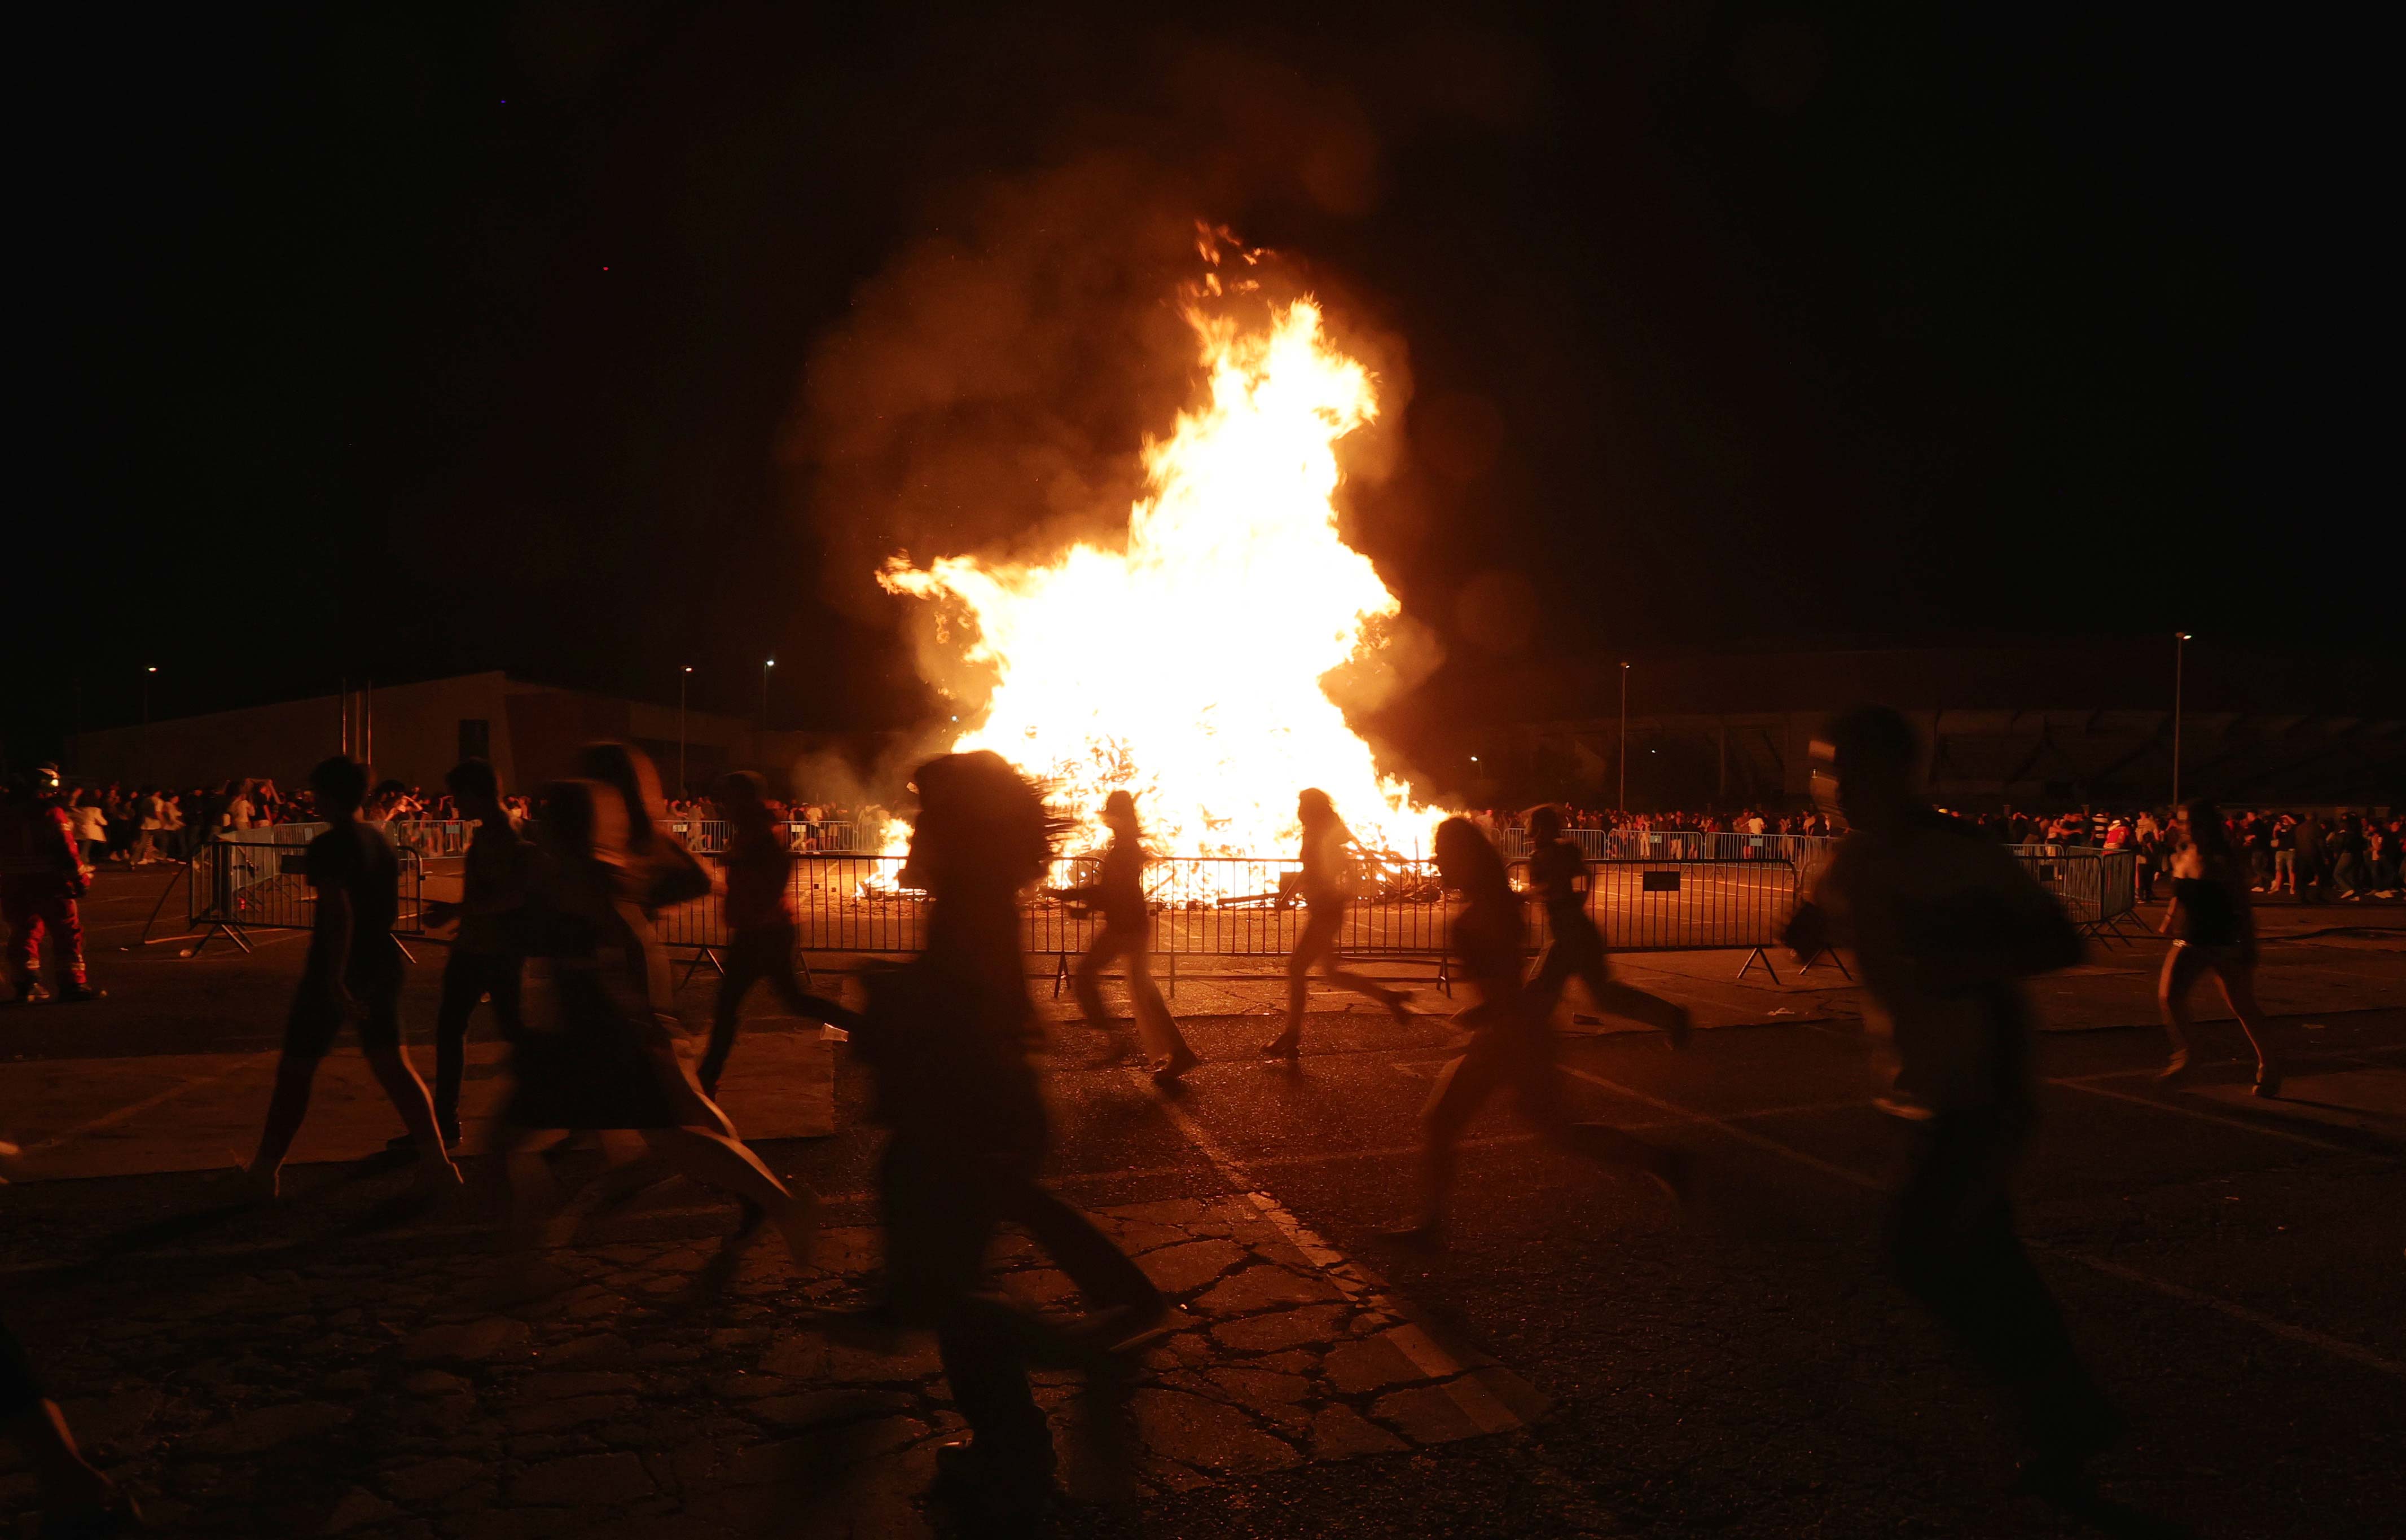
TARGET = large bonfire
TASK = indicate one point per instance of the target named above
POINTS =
(1186, 664)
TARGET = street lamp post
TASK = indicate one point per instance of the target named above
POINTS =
(149, 773)
(683, 679)
(765, 665)
(1621, 802)
(2180, 648)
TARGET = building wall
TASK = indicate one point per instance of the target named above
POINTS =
(530, 732)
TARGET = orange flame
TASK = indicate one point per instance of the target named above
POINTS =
(1186, 666)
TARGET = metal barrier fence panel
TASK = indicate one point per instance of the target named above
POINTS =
(1227, 907)
(257, 880)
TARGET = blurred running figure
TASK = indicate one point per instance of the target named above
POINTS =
(1514, 1041)
(354, 974)
(1323, 885)
(484, 963)
(1560, 878)
(1946, 924)
(1119, 894)
(2216, 929)
(946, 1043)
(762, 933)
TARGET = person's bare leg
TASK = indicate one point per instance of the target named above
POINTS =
(1614, 998)
(409, 1097)
(2239, 988)
(1156, 1028)
(286, 1105)
(1308, 945)
(2171, 998)
(715, 1160)
(1086, 984)
(1393, 999)
(72, 1490)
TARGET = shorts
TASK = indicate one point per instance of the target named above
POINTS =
(310, 1030)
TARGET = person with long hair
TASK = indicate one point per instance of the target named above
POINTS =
(2214, 926)
(1118, 895)
(946, 1039)
(595, 1059)
(1563, 881)
(1512, 1042)
(1324, 884)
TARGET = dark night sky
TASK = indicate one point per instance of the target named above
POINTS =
(396, 344)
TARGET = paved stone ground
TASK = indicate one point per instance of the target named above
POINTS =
(1584, 1360)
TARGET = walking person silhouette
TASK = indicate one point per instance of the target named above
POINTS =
(2216, 934)
(483, 964)
(946, 1039)
(1563, 882)
(1118, 893)
(354, 973)
(598, 1058)
(1513, 1042)
(1324, 884)
(1945, 925)
(762, 929)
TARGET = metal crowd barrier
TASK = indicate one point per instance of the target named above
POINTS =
(1227, 907)
(258, 880)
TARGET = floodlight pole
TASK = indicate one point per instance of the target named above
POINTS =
(1622, 804)
(683, 679)
(149, 773)
(2180, 649)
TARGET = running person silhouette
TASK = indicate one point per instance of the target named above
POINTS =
(1118, 893)
(763, 931)
(1514, 1042)
(2217, 928)
(1324, 884)
(1563, 881)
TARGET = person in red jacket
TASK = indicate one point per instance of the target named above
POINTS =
(41, 877)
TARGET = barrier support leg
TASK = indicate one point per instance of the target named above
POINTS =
(704, 954)
(1060, 972)
(1836, 961)
(1758, 955)
(406, 955)
(226, 928)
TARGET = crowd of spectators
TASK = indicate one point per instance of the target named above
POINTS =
(2348, 856)
(2309, 855)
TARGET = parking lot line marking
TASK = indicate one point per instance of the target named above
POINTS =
(2203, 1116)
(2258, 1319)
(1487, 1411)
(2331, 1345)
(134, 1109)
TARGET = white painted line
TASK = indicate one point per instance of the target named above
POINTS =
(2203, 1116)
(2331, 1345)
(110, 1120)
(1744, 1135)
(1487, 1411)
(2300, 1335)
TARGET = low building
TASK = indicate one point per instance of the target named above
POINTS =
(413, 733)
(2052, 723)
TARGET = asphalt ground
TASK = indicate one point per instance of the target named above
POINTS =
(2233, 1270)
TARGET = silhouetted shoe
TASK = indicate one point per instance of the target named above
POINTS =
(1005, 1493)
(2176, 1066)
(121, 1516)
(1415, 1238)
(30, 992)
(1286, 1045)
(1399, 1005)
(2267, 1081)
(1169, 1071)
(1681, 1030)
(78, 994)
